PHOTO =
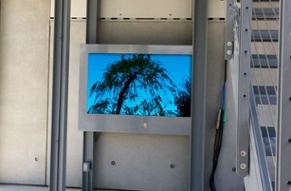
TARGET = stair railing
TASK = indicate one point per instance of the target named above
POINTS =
(251, 154)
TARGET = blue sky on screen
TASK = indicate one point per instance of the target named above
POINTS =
(178, 69)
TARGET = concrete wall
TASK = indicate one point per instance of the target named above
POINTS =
(142, 161)
(24, 90)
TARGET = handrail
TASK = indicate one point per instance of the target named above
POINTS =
(241, 28)
(260, 149)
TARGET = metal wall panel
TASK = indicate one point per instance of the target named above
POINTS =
(147, 157)
(24, 91)
(146, 9)
(226, 178)
(78, 8)
(141, 160)
(146, 32)
(216, 8)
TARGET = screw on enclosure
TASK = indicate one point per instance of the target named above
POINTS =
(113, 162)
(243, 166)
(172, 166)
(243, 153)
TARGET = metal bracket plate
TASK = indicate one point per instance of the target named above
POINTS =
(229, 33)
(244, 88)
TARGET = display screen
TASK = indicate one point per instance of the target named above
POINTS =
(139, 84)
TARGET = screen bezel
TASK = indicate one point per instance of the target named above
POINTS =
(128, 123)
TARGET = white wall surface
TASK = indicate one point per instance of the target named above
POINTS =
(23, 90)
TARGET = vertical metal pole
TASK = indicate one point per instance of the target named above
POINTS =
(244, 89)
(89, 137)
(283, 170)
(198, 96)
(60, 95)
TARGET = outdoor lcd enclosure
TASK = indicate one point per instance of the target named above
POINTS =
(135, 89)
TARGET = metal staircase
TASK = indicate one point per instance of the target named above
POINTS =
(265, 25)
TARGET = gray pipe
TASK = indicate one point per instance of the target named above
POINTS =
(198, 96)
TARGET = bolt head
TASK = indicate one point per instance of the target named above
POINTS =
(243, 153)
(243, 166)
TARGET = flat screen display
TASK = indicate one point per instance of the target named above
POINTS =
(139, 84)
(135, 89)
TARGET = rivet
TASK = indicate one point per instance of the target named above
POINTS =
(246, 51)
(245, 73)
(289, 141)
(289, 98)
(113, 162)
(247, 7)
(233, 169)
(244, 95)
(172, 166)
(228, 43)
(289, 183)
(228, 52)
(246, 30)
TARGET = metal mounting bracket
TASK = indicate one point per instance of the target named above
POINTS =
(244, 88)
(229, 30)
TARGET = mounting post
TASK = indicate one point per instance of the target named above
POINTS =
(90, 137)
(60, 95)
(283, 170)
(198, 95)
